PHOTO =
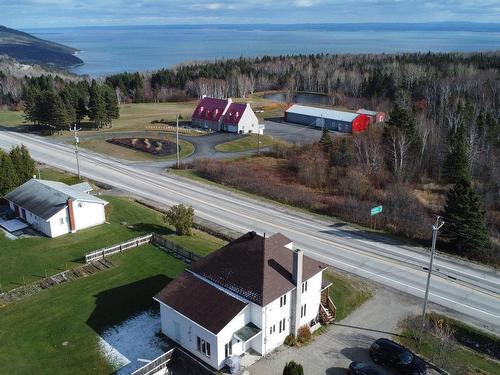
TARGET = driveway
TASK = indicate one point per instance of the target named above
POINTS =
(331, 352)
(292, 133)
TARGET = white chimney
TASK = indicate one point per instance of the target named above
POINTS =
(298, 260)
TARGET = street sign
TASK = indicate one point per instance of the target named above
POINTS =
(375, 210)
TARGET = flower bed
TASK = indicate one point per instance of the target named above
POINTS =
(152, 146)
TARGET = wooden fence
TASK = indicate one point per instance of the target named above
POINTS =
(107, 251)
(156, 239)
(156, 364)
(175, 249)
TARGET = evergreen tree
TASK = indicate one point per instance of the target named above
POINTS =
(57, 114)
(81, 109)
(97, 105)
(112, 110)
(9, 179)
(341, 154)
(24, 165)
(326, 140)
(456, 162)
(465, 222)
(293, 368)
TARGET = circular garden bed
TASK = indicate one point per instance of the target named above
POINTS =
(160, 147)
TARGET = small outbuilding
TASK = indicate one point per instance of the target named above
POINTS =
(341, 121)
(374, 116)
(54, 208)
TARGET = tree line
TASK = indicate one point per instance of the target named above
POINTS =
(56, 104)
(16, 167)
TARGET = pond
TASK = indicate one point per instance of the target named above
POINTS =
(300, 97)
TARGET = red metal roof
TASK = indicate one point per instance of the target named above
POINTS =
(234, 113)
(210, 109)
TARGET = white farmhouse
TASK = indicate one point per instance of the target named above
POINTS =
(55, 208)
(247, 296)
(240, 118)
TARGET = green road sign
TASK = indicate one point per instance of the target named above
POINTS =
(375, 210)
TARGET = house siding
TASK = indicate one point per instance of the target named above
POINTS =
(88, 214)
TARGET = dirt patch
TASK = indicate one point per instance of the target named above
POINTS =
(161, 147)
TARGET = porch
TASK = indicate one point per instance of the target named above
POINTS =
(327, 309)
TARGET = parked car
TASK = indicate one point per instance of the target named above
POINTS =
(397, 358)
(360, 368)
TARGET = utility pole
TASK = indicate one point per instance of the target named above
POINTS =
(258, 139)
(435, 227)
(75, 132)
(177, 142)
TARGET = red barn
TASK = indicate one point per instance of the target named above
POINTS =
(373, 115)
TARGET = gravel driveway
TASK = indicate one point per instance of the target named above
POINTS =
(331, 352)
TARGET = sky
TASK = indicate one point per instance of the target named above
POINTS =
(27, 14)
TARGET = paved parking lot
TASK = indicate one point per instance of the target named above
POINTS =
(292, 133)
(331, 352)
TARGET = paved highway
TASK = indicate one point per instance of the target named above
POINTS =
(471, 290)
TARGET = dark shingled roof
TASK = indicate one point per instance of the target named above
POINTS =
(254, 267)
(201, 302)
(46, 198)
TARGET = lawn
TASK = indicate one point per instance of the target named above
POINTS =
(248, 142)
(347, 293)
(56, 331)
(11, 118)
(28, 259)
(103, 147)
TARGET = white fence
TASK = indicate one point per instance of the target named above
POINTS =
(156, 364)
(107, 251)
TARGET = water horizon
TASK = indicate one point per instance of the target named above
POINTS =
(113, 49)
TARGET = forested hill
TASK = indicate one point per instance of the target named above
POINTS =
(28, 49)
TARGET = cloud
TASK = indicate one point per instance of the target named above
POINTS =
(49, 13)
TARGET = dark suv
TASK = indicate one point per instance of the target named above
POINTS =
(397, 358)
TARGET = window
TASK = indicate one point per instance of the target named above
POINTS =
(282, 325)
(61, 221)
(303, 310)
(283, 300)
(304, 286)
(228, 349)
(272, 329)
(203, 346)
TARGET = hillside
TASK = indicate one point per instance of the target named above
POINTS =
(28, 49)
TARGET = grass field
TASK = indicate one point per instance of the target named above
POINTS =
(56, 331)
(347, 293)
(29, 259)
(103, 147)
(11, 118)
(248, 142)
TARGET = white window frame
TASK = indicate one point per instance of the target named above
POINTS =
(203, 346)
(303, 310)
(283, 300)
(304, 287)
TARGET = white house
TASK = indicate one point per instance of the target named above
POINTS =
(240, 118)
(55, 208)
(224, 115)
(247, 296)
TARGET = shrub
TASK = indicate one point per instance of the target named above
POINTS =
(290, 340)
(304, 334)
(293, 368)
(181, 217)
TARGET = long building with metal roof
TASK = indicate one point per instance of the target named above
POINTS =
(341, 121)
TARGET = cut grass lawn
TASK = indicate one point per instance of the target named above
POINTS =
(347, 293)
(56, 331)
(121, 152)
(11, 118)
(248, 142)
(29, 259)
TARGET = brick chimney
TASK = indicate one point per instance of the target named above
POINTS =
(71, 216)
(298, 260)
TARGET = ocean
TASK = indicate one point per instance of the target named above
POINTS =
(114, 49)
